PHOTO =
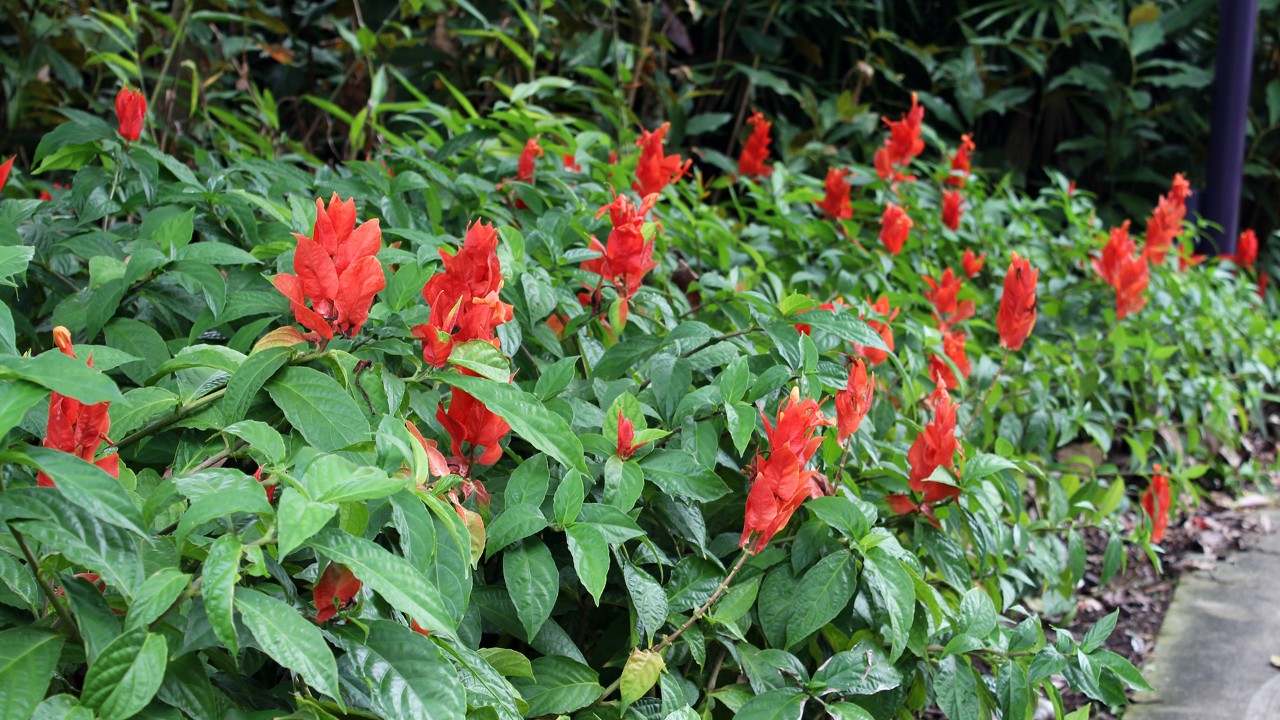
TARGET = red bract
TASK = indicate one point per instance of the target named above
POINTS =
(876, 356)
(944, 295)
(74, 427)
(854, 401)
(1156, 501)
(835, 203)
(528, 156)
(933, 448)
(756, 151)
(570, 163)
(781, 486)
(1166, 220)
(971, 263)
(469, 421)
(4, 172)
(627, 444)
(796, 426)
(960, 163)
(656, 170)
(270, 490)
(336, 583)
(1246, 247)
(337, 271)
(626, 256)
(1119, 248)
(1130, 284)
(951, 210)
(437, 465)
(953, 348)
(904, 142)
(894, 227)
(464, 297)
(131, 108)
(1017, 314)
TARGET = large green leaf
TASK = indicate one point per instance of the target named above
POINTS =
(528, 418)
(334, 479)
(62, 374)
(289, 639)
(406, 674)
(533, 582)
(590, 555)
(155, 596)
(483, 359)
(299, 518)
(88, 486)
(515, 523)
(319, 408)
(220, 574)
(28, 656)
(560, 686)
(125, 675)
(138, 406)
(79, 537)
(249, 378)
(821, 594)
(896, 593)
(16, 398)
(956, 689)
(678, 473)
(780, 704)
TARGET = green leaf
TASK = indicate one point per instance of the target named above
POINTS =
(740, 419)
(222, 505)
(391, 576)
(155, 596)
(984, 464)
(623, 482)
(567, 502)
(555, 377)
(957, 690)
(138, 406)
(319, 408)
(88, 486)
(334, 479)
(289, 639)
(1122, 668)
(528, 484)
(126, 675)
(249, 378)
(781, 704)
(590, 557)
(647, 597)
(62, 374)
(892, 585)
(81, 538)
(560, 686)
(261, 437)
(533, 582)
(821, 594)
(16, 398)
(13, 261)
(842, 515)
(405, 673)
(28, 657)
(298, 518)
(528, 418)
(846, 326)
(640, 674)
(616, 526)
(977, 614)
(220, 573)
(515, 523)
(482, 358)
(861, 670)
(676, 472)
(1099, 633)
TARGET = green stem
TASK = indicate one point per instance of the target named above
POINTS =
(45, 585)
(173, 417)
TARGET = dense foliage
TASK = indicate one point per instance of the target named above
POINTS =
(518, 417)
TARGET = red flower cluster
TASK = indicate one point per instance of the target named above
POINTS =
(895, 225)
(854, 401)
(902, 145)
(1156, 501)
(884, 327)
(960, 163)
(1166, 220)
(1123, 270)
(971, 263)
(1245, 256)
(756, 151)
(335, 588)
(469, 421)
(835, 203)
(951, 210)
(627, 444)
(657, 170)
(528, 158)
(131, 109)
(464, 297)
(1017, 314)
(944, 295)
(933, 448)
(337, 271)
(626, 256)
(74, 427)
(953, 347)
(4, 171)
(781, 482)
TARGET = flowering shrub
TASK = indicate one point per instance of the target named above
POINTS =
(688, 472)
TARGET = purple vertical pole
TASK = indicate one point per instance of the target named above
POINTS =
(1231, 77)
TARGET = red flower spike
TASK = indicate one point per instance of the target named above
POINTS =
(944, 295)
(626, 257)
(835, 203)
(656, 170)
(131, 109)
(469, 421)
(336, 583)
(971, 263)
(627, 437)
(951, 210)
(780, 488)
(1017, 314)
(1130, 283)
(1119, 248)
(953, 348)
(904, 142)
(1156, 501)
(464, 297)
(933, 448)
(884, 327)
(528, 157)
(1245, 256)
(960, 163)
(894, 227)
(751, 163)
(4, 171)
(854, 401)
(336, 271)
(1165, 223)
(74, 427)
(796, 426)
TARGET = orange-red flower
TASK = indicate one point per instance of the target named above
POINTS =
(335, 588)
(626, 256)
(876, 356)
(903, 143)
(131, 108)
(971, 263)
(751, 162)
(796, 426)
(1130, 284)
(1246, 247)
(781, 482)
(1166, 220)
(1017, 314)
(960, 162)
(835, 203)
(528, 158)
(74, 427)
(854, 401)
(469, 421)
(953, 347)
(951, 210)
(944, 295)
(627, 444)
(895, 224)
(464, 297)
(933, 448)
(4, 171)
(657, 170)
(570, 163)
(1156, 501)
(337, 271)
(1119, 247)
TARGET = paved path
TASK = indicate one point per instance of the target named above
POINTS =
(1212, 660)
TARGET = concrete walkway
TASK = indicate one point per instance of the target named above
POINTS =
(1212, 660)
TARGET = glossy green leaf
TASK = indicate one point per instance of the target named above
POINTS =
(319, 408)
(28, 656)
(125, 675)
(289, 639)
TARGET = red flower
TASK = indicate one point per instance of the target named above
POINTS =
(4, 171)
(626, 256)
(570, 163)
(933, 448)
(1188, 260)
(627, 437)
(1155, 501)
(270, 490)
(337, 271)
(437, 465)
(960, 163)
(780, 488)
(1119, 247)
(131, 108)
(1246, 247)
(953, 348)
(883, 163)
(464, 297)
(944, 295)
(1017, 314)
(1130, 283)
(528, 156)
(904, 142)
(971, 263)
(873, 355)
(835, 203)
(854, 401)
(469, 421)
(1166, 220)
(335, 583)
(656, 170)
(796, 426)
(894, 227)
(75, 428)
(951, 210)
(751, 162)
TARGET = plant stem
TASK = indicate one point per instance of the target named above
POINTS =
(167, 420)
(707, 344)
(45, 585)
(983, 403)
